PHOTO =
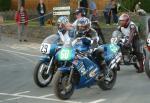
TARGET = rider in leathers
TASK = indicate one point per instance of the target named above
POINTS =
(84, 29)
(63, 33)
(130, 30)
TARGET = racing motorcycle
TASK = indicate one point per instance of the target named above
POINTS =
(147, 57)
(47, 65)
(80, 69)
(128, 56)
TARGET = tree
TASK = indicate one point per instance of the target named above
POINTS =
(5, 5)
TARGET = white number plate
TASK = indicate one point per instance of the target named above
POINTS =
(45, 48)
(114, 40)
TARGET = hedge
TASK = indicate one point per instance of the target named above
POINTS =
(5, 5)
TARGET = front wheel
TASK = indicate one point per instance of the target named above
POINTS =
(147, 63)
(40, 76)
(62, 89)
(109, 82)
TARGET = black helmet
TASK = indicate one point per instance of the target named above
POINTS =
(80, 10)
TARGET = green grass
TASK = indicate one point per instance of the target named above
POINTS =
(30, 24)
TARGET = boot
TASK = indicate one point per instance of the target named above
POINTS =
(103, 67)
(141, 69)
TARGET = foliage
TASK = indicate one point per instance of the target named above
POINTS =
(5, 5)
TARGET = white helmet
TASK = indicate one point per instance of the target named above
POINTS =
(61, 22)
(83, 25)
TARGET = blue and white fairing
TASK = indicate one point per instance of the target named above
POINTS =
(110, 51)
(88, 70)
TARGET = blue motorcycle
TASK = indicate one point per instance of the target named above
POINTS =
(47, 65)
(80, 70)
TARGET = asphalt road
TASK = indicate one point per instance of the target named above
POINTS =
(17, 62)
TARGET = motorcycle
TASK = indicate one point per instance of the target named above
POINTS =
(147, 58)
(128, 56)
(47, 65)
(80, 70)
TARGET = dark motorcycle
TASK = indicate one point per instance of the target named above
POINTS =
(128, 55)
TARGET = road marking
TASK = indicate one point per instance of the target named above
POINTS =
(12, 64)
(10, 51)
(48, 95)
(98, 101)
(23, 57)
(21, 92)
(11, 99)
(35, 97)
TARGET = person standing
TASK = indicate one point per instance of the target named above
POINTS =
(41, 8)
(114, 11)
(84, 5)
(107, 13)
(22, 22)
(1, 24)
(95, 19)
(92, 6)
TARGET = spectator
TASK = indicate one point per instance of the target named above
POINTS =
(95, 18)
(1, 23)
(92, 6)
(84, 4)
(22, 22)
(139, 10)
(41, 8)
(114, 11)
(107, 13)
(79, 13)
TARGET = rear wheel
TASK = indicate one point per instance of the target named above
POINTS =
(108, 83)
(62, 89)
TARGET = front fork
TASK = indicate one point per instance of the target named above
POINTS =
(70, 75)
(50, 64)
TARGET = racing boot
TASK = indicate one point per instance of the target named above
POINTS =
(103, 69)
(141, 69)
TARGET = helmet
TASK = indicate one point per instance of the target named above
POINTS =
(61, 22)
(83, 25)
(126, 18)
(80, 10)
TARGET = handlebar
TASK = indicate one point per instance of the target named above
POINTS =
(80, 38)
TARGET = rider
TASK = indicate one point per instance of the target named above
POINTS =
(63, 33)
(130, 30)
(84, 29)
(79, 13)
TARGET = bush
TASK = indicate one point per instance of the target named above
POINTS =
(128, 5)
(145, 5)
(5, 5)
